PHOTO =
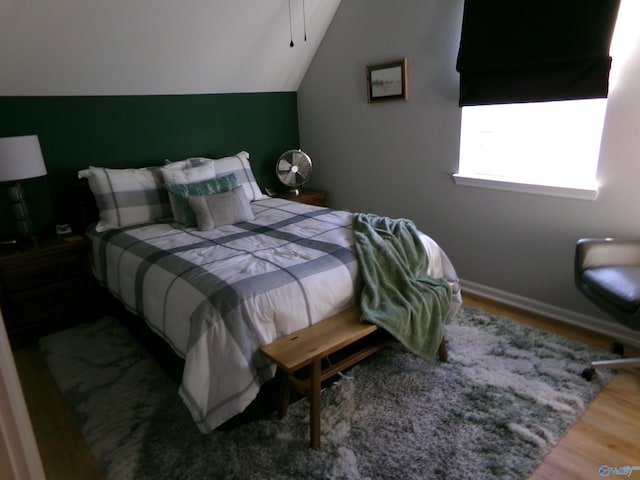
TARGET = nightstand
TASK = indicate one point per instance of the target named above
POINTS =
(46, 287)
(307, 195)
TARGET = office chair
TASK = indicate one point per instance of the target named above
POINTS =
(607, 272)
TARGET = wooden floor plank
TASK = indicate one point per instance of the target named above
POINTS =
(64, 452)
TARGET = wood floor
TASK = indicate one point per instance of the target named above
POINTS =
(607, 434)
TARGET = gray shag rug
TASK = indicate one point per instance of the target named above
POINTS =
(507, 394)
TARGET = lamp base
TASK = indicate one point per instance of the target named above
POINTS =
(21, 213)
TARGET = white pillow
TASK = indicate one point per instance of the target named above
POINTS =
(181, 176)
(184, 172)
(187, 163)
(127, 196)
(239, 165)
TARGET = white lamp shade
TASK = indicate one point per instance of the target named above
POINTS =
(20, 158)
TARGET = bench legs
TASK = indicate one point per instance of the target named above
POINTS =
(314, 402)
(285, 393)
(443, 356)
(313, 397)
(313, 393)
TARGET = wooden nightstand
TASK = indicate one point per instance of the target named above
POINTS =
(46, 287)
(307, 195)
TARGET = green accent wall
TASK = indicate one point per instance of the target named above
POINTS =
(134, 131)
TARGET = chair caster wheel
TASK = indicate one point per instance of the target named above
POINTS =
(588, 374)
(617, 348)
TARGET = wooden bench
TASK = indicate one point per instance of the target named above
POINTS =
(309, 346)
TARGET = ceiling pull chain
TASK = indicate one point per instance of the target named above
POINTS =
(290, 26)
(304, 17)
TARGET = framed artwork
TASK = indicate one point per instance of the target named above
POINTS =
(387, 81)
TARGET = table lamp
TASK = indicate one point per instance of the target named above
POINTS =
(20, 159)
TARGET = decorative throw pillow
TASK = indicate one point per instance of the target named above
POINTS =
(239, 164)
(228, 208)
(127, 196)
(181, 192)
(189, 173)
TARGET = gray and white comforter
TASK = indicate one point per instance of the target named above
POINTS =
(216, 296)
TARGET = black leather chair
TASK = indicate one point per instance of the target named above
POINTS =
(607, 271)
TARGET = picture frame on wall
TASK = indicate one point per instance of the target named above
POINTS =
(387, 81)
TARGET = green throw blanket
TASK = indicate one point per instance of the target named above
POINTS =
(397, 293)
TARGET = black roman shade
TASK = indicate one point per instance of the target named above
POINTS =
(514, 51)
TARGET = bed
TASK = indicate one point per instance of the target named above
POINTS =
(217, 289)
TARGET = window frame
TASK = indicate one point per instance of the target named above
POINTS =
(514, 186)
(482, 171)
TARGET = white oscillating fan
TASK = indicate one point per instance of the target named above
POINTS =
(293, 169)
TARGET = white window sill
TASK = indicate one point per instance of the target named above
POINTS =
(587, 193)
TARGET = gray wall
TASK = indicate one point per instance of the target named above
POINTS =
(397, 158)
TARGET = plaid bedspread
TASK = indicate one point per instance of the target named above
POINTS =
(216, 296)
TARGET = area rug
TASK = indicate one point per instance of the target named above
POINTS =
(506, 395)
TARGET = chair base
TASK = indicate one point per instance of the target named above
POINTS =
(589, 373)
(617, 363)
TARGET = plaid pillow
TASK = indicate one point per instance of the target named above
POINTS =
(187, 173)
(127, 196)
(239, 165)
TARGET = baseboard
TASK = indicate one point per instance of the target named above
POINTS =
(595, 324)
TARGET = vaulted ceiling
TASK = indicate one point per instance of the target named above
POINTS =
(127, 47)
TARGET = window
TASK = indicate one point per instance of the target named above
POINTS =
(549, 147)
(546, 144)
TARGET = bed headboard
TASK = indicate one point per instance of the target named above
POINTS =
(86, 212)
(138, 131)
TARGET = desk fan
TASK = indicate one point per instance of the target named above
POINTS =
(293, 169)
